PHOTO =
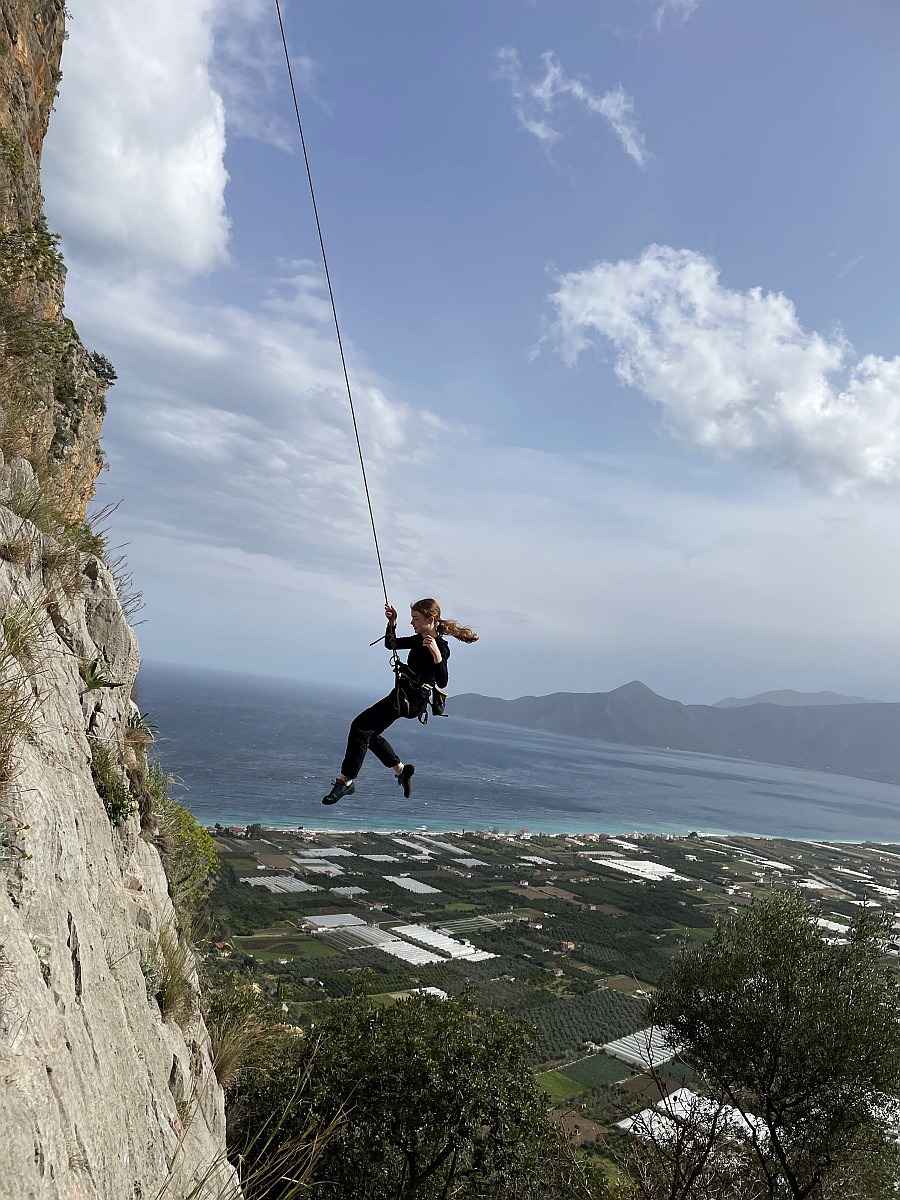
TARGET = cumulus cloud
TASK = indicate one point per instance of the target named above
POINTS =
(537, 101)
(735, 372)
(134, 156)
(232, 425)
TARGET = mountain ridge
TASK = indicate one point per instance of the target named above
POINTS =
(861, 740)
(791, 699)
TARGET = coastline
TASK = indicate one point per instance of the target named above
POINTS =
(250, 750)
(598, 835)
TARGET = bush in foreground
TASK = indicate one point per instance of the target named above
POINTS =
(435, 1099)
(802, 1036)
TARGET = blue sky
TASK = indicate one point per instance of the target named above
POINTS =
(620, 287)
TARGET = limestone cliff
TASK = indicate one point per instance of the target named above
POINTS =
(100, 1096)
(106, 1085)
(53, 390)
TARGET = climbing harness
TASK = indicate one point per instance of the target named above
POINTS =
(337, 328)
(412, 697)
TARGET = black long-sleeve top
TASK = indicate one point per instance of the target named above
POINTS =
(420, 661)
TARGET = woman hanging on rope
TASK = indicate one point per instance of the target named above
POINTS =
(426, 668)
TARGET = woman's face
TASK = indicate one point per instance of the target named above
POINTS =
(420, 623)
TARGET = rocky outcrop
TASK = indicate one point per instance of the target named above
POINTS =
(101, 1096)
(52, 388)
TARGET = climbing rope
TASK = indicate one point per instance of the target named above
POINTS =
(337, 328)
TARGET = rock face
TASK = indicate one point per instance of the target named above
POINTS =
(52, 389)
(99, 1095)
(104, 1094)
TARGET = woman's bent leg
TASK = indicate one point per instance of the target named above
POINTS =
(365, 734)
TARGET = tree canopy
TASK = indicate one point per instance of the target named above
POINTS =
(437, 1101)
(803, 1033)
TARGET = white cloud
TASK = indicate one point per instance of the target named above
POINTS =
(680, 9)
(233, 427)
(134, 158)
(249, 71)
(735, 372)
(536, 103)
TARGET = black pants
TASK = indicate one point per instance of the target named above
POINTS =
(365, 734)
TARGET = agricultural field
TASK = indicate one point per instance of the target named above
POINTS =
(569, 934)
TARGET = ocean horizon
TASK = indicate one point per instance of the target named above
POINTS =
(259, 749)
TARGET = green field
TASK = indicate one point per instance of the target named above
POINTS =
(595, 1072)
(287, 945)
(558, 1087)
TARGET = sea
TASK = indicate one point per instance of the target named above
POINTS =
(250, 749)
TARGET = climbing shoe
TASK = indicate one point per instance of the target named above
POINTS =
(338, 791)
(405, 779)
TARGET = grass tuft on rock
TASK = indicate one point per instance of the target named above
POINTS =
(168, 971)
(111, 787)
(17, 550)
(21, 627)
(243, 1031)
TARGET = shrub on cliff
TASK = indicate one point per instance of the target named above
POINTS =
(244, 1032)
(437, 1101)
(188, 852)
(803, 1035)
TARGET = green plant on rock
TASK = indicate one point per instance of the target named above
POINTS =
(111, 788)
(83, 537)
(18, 709)
(32, 251)
(24, 334)
(103, 368)
(39, 503)
(188, 852)
(17, 550)
(94, 678)
(142, 729)
(36, 504)
(244, 1032)
(17, 413)
(13, 153)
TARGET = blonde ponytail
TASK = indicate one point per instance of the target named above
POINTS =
(432, 611)
(461, 632)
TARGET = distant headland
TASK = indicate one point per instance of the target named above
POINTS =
(820, 731)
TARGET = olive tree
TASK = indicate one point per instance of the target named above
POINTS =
(434, 1099)
(801, 1034)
